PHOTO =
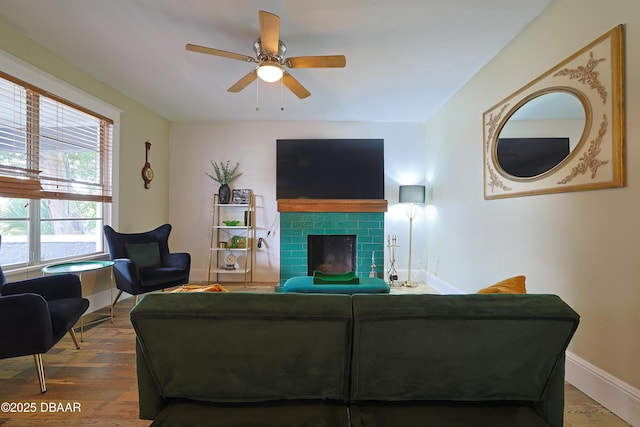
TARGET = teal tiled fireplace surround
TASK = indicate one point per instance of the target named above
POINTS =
(295, 226)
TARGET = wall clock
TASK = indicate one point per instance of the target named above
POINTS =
(147, 172)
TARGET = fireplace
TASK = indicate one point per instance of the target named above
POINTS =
(367, 227)
(331, 253)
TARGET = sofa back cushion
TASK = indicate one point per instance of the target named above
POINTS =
(458, 347)
(143, 255)
(245, 347)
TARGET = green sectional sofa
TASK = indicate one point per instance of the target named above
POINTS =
(246, 359)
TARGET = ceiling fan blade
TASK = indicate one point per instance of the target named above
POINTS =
(243, 82)
(218, 52)
(329, 61)
(269, 31)
(295, 86)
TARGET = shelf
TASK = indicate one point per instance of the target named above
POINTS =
(231, 249)
(221, 233)
(236, 271)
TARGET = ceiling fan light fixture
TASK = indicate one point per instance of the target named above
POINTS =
(270, 72)
(271, 60)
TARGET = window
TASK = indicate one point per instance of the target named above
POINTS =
(55, 176)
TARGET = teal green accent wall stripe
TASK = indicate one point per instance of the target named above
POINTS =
(295, 226)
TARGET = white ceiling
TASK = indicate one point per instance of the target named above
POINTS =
(405, 58)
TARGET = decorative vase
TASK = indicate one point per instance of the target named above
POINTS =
(224, 194)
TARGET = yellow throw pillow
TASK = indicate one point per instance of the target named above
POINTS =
(512, 285)
(200, 288)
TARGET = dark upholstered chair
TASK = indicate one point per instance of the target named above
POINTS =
(143, 262)
(36, 313)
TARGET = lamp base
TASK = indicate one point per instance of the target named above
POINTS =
(410, 284)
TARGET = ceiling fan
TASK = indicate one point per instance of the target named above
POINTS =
(270, 57)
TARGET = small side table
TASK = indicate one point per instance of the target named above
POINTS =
(79, 267)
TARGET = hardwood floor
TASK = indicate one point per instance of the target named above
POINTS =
(96, 385)
(100, 378)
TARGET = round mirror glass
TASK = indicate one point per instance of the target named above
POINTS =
(540, 134)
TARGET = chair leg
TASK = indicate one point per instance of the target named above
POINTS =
(113, 304)
(74, 337)
(40, 370)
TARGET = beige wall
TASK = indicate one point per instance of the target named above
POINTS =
(581, 246)
(253, 145)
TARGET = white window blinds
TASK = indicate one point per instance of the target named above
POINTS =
(50, 148)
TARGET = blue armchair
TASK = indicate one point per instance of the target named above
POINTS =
(143, 262)
(40, 311)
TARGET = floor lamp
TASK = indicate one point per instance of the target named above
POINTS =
(411, 194)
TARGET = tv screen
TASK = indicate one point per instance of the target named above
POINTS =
(528, 157)
(330, 169)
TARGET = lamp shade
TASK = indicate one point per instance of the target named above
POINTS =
(412, 194)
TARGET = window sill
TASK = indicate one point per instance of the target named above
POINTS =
(28, 271)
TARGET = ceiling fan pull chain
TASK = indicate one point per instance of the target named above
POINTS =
(257, 95)
(282, 94)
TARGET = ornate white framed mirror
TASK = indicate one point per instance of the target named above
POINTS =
(564, 131)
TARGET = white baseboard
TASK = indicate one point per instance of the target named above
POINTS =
(615, 395)
(441, 286)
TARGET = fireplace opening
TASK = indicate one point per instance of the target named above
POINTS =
(331, 253)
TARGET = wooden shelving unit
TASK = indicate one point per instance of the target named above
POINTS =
(232, 242)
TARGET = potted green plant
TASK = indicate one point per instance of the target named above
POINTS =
(223, 174)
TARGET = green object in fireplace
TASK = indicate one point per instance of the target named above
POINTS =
(320, 278)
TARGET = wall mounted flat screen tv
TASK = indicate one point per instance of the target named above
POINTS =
(330, 168)
(529, 157)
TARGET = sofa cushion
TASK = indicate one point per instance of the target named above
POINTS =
(512, 285)
(458, 347)
(366, 285)
(143, 255)
(161, 275)
(274, 414)
(245, 347)
(432, 414)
